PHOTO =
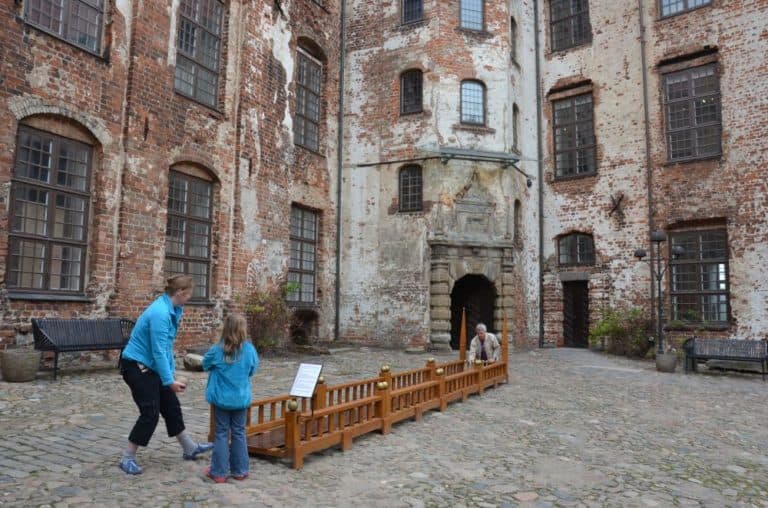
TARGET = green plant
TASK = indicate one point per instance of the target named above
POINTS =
(269, 315)
(624, 329)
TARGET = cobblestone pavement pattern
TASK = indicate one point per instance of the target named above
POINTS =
(572, 428)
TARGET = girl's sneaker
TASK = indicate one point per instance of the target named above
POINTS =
(129, 465)
(216, 479)
(240, 477)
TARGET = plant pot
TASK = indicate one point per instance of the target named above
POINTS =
(20, 365)
(666, 362)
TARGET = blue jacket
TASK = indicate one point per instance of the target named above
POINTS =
(152, 338)
(229, 384)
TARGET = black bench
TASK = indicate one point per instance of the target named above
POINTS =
(66, 335)
(697, 348)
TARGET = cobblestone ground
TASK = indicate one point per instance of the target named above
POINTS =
(572, 428)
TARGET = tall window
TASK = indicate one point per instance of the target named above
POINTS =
(513, 39)
(410, 92)
(410, 189)
(199, 50)
(50, 192)
(515, 126)
(302, 266)
(692, 105)
(576, 249)
(188, 231)
(700, 276)
(670, 7)
(472, 17)
(569, 21)
(574, 136)
(77, 21)
(413, 10)
(306, 123)
(472, 102)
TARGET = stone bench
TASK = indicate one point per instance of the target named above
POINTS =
(742, 350)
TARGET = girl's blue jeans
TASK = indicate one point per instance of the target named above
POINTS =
(230, 456)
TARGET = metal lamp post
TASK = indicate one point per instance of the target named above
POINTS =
(658, 237)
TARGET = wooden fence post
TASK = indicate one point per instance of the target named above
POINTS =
(431, 365)
(463, 336)
(440, 373)
(292, 434)
(479, 375)
(320, 397)
(384, 406)
(211, 426)
(505, 347)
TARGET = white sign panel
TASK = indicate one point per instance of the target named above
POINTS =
(305, 380)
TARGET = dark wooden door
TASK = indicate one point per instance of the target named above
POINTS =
(575, 314)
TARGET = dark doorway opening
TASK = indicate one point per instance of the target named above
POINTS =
(576, 314)
(477, 295)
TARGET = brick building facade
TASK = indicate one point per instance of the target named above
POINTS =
(507, 157)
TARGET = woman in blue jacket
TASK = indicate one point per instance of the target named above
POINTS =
(231, 363)
(148, 366)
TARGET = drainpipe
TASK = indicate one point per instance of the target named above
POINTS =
(339, 165)
(540, 171)
(648, 164)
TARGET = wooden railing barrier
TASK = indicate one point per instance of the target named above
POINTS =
(284, 427)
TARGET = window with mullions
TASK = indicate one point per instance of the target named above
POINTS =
(410, 92)
(569, 23)
(472, 16)
(413, 10)
(77, 21)
(576, 249)
(188, 231)
(306, 123)
(410, 189)
(670, 7)
(302, 265)
(50, 192)
(699, 291)
(199, 50)
(692, 106)
(574, 136)
(472, 102)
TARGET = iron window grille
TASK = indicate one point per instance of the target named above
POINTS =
(302, 266)
(306, 123)
(569, 23)
(413, 10)
(574, 136)
(472, 103)
(50, 196)
(699, 280)
(79, 22)
(410, 189)
(188, 230)
(472, 16)
(693, 120)
(199, 50)
(411, 92)
(576, 249)
(671, 7)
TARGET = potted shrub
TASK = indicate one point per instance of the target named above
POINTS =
(20, 364)
(667, 360)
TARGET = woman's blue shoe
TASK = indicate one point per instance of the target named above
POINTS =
(201, 448)
(129, 465)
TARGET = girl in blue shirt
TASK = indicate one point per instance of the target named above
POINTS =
(231, 364)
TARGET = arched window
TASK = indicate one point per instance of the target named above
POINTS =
(472, 15)
(412, 11)
(309, 79)
(188, 229)
(515, 126)
(199, 50)
(48, 213)
(576, 249)
(410, 189)
(518, 234)
(513, 39)
(472, 102)
(410, 92)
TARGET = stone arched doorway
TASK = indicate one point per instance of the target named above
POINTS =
(477, 295)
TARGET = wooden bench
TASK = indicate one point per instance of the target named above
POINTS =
(697, 348)
(68, 335)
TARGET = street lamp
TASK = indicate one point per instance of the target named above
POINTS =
(658, 237)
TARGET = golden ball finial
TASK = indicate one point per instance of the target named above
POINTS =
(478, 362)
(384, 385)
(321, 380)
(440, 371)
(385, 368)
(292, 405)
(431, 359)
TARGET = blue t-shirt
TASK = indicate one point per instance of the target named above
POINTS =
(229, 384)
